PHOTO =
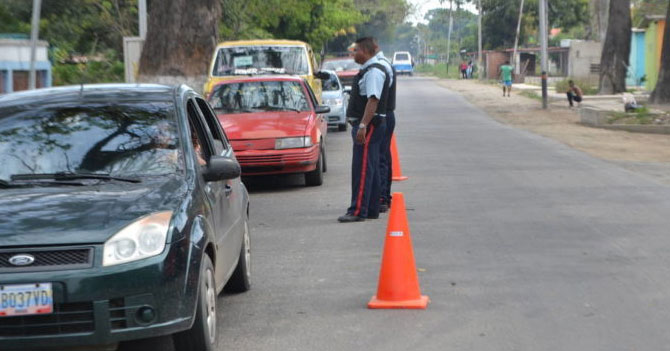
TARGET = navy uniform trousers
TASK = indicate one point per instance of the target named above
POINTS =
(365, 177)
(385, 161)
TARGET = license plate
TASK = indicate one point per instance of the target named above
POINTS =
(26, 299)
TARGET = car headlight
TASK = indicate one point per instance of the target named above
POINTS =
(293, 143)
(141, 239)
(333, 102)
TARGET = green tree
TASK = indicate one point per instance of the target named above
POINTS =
(500, 19)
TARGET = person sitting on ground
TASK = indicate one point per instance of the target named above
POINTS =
(574, 93)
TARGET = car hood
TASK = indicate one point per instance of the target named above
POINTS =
(265, 125)
(87, 214)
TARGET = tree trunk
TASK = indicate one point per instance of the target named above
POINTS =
(661, 93)
(181, 38)
(616, 49)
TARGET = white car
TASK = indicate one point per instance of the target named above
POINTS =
(334, 96)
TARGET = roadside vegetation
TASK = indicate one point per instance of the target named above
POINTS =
(439, 70)
(587, 88)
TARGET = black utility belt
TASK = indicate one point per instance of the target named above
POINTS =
(354, 121)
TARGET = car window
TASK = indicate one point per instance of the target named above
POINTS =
(312, 98)
(261, 59)
(341, 65)
(330, 84)
(401, 57)
(258, 96)
(199, 134)
(214, 126)
(120, 139)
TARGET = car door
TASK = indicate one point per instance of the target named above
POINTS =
(230, 216)
(321, 120)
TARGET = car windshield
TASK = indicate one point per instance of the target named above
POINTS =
(341, 65)
(402, 57)
(330, 84)
(245, 97)
(129, 139)
(245, 60)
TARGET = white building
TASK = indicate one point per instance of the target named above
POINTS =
(15, 65)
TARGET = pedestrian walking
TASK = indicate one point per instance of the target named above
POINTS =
(367, 114)
(506, 77)
(385, 160)
(574, 93)
(469, 70)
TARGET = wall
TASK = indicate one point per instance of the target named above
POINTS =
(653, 44)
(582, 55)
(637, 58)
(493, 62)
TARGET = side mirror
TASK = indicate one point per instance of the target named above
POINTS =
(347, 89)
(322, 75)
(322, 109)
(221, 168)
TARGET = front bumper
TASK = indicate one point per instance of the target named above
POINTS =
(337, 115)
(106, 305)
(263, 162)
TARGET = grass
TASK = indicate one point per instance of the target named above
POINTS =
(530, 94)
(439, 70)
(587, 88)
(641, 116)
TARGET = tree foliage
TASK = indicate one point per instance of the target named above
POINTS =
(501, 16)
(313, 21)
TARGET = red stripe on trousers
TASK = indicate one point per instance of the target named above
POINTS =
(361, 186)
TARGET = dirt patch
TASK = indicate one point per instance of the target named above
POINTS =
(644, 153)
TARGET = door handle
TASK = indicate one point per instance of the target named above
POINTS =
(229, 190)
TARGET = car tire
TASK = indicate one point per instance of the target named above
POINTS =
(342, 127)
(240, 281)
(202, 335)
(315, 177)
(325, 157)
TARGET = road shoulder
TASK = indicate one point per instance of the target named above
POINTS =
(643, 153)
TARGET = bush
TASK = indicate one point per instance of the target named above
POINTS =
(88, 73)
(587, 88)
(439, 70)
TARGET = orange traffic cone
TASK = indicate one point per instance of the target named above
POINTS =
(398, 282)
(395, 162)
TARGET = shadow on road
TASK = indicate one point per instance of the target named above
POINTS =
(274, 183)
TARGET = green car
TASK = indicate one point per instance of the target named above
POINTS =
(123, 217)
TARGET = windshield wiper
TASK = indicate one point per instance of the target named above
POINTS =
(72, 176)
(277, 108)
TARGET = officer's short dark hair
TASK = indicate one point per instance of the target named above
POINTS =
(368, 44)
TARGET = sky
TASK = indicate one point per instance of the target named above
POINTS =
(424, 6)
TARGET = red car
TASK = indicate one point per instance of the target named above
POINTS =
(345, 68)
(274, 124)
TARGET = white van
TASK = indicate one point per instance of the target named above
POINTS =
(402, 62)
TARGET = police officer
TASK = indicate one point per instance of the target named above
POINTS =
(385, 165)
(367, 114)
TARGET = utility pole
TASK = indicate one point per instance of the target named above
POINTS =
(451, 21)
(480, 69)
(516, 40)
(543, 48)
(142, 7)
(34, 33)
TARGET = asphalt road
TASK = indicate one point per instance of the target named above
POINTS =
(522, 244)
